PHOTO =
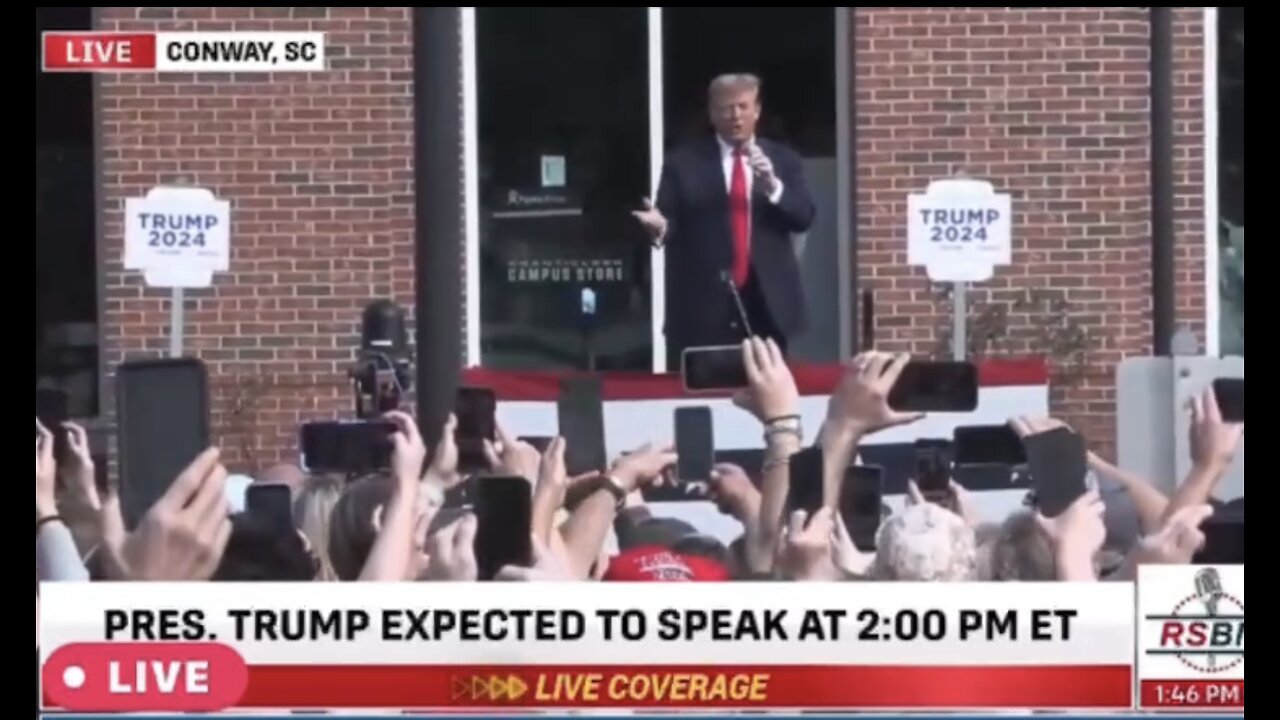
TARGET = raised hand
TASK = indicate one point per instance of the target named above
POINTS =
(653, 221)
(81, 473)
(771, 389)
(643, 466)
(182, 536)
(46, 473)
(509, 456)
(409, 452)
(806, 551)
(451, 554)
(762, 168)
(860, 402)
(1213, 441)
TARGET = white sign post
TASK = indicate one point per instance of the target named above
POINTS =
(178, 237)
(959, 230)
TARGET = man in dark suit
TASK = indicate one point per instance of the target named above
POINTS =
(727, 209)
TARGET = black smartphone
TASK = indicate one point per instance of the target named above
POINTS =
(1229, 393)
(52, 410)
(580, 410)
(162, 421)
(504, 511)
(868, 321)
(271, 502)
(936, 386)
(716, 367)
(988, 445)
(804, 490)
(476, 410)
(356, 447)
(695, 443)
(933, 466)
(537, 442)
(1059, 468)
(861, 499)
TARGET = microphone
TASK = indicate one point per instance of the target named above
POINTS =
(1209, 589)
(737, 301)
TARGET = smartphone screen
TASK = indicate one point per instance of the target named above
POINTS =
(162, 415)
(861, 497)
(273, 503)
(713, 368)
(1059, 466)
(936, 386)
(1229, 393)
(695, 443)
(476, 409)
(348, 447)
(503, 507)
(988, 445)
(580, 408)
(805, 487)
(537, 442)
(933, 466)
(52, 410)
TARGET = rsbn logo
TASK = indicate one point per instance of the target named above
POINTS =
(1205, 631)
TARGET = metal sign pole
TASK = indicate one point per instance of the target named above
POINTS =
(177, 321)
(177, 298)
(959, 316)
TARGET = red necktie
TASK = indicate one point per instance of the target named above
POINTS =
(740, 220)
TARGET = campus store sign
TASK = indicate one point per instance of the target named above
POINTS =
(639, 407)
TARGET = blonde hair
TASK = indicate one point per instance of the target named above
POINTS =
(926, 542)
(313, 516)
(1021, 551)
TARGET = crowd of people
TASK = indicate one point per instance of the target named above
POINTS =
(412, 524)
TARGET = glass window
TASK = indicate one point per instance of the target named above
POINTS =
(65, 237)
(1231, 179)
(564, 159)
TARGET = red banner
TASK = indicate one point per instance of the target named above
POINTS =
(1109, 687)
(176, 677)
(1193, 694)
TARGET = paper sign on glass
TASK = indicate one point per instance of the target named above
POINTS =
(553, 171)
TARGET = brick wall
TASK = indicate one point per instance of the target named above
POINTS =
(318, 169)
(1052, 105)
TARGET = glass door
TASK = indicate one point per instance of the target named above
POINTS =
(561, 156)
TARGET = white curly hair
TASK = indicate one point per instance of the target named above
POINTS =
(926, 542)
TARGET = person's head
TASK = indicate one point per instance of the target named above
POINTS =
(1021, 551)
(312, 515)
(926, 542)
(660, 564)
(354, 524)
(283, 474)
(262, 550)
(733, 102)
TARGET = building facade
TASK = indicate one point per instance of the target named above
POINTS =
(1049, 104)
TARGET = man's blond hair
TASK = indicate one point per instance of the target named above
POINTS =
(732, 83)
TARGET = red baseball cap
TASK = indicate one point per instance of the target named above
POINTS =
(654, 563)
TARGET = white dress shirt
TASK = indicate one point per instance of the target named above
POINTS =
(727, 158)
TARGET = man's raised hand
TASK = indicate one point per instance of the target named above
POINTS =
(653, 221)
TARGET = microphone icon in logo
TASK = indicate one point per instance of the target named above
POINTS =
(1209, 591)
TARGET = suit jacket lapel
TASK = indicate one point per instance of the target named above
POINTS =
(715, 172)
